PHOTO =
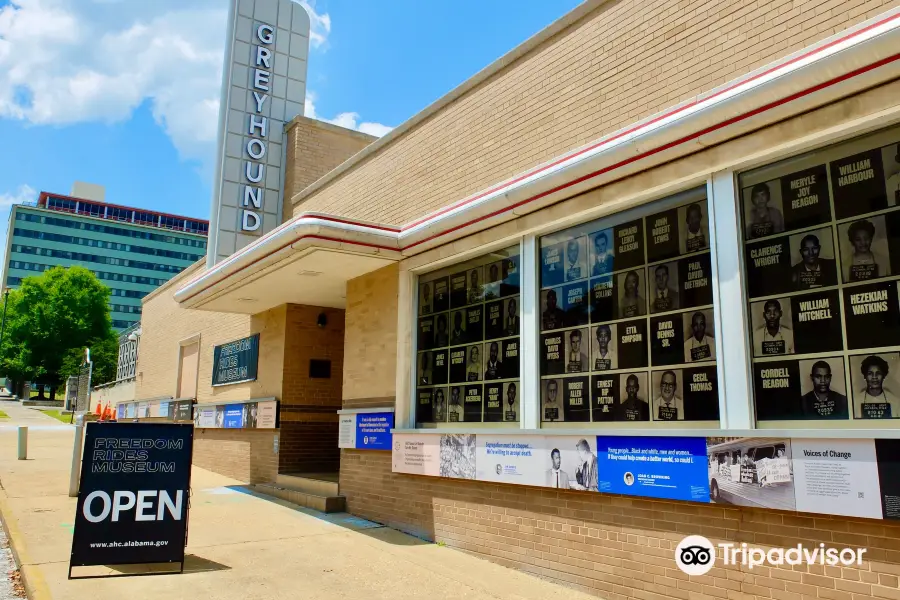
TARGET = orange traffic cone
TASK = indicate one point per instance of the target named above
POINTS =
(98, 409)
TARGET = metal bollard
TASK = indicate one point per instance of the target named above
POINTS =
(23, 442)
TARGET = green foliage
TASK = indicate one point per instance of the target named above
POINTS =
(50, 319)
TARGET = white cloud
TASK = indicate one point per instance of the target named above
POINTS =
(349, 120)
(25, 193)
(76, 61)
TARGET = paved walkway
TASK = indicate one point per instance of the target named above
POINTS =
(241, 546)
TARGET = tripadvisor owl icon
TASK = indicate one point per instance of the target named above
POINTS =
(695, 555)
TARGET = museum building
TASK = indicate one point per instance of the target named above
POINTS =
(636, 280)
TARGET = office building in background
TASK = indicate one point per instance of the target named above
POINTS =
(131, 250)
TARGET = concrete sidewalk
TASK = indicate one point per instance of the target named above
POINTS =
(241, 545)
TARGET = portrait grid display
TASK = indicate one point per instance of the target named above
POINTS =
(822, 255)
(467, 342)
(626, 318)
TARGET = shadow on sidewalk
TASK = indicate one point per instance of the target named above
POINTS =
(344, 520)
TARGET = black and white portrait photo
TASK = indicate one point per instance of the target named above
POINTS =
(864, 249)
(603, 348)
(700, 344)
(426, 298)
(876, 385)
(772, 332)
(823, 388)
(812, 260)
(664, 294)
(763, 210)
(576, 259)
(668, 403)
(551, 401)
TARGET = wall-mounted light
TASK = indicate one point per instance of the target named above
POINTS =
(322, 320)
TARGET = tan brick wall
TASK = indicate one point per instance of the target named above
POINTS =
(164, 323)
(618, 547)
(244, 454)
(313, 149)
(371, 341)
(622, 62)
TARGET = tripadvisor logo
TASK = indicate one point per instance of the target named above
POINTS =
(695, 555)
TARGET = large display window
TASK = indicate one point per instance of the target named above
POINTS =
(467, 347)
(626, 318)
(822, 255)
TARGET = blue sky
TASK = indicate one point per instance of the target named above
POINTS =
(123, 92)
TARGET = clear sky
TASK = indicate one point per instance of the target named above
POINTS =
(125, 93)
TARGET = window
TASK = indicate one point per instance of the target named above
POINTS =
(822, 256)
(467, 361)
(627, 318)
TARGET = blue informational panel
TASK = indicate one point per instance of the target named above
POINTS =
(673, 468)
(234, 416)
(373, 430)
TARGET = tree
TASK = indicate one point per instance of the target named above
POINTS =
(51, 316)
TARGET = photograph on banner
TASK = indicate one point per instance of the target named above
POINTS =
(250, 415)
(812, 259)
(673, 468)
(872, 315)
(457, 455)
(441, 294)
(823, 389)
(699, 335)
(604, 344)
(631, 292)
(455, 408)
(510, 459)
(693, 228)
(664, 293)
(416, 454)
(439, 404)
(763, 209)
(685, 394)
(860, 184)
(576, 358)
(205, 416)
(493, 277)
(552, 315)
(602, 252)
(634, 391)
(888, 454)
(876, 385)
(772, 327)
(552, 401)
(501, 402)
(668, 395)
(836, 477)
(865, 249)
(753, 472)
(576, 259)
(569, 462)
(426, 298)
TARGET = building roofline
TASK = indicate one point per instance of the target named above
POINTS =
(573, 16)
(45, 195)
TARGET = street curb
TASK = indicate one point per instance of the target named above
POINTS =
(35, 586)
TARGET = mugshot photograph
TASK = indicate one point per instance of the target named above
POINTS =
(439, 405)
(474, 287)
(812, 260)
(772, 332)
(551, 401)
(426, 304)
(473, 363)
(603, 348)
(511, 402)
(664, 293)
(458, 327)
(552, 316)
(693, 227)
(424, 372)
(493, 363)
(455, 409)
(890, 157)
(577, 359)
(864, 249)
(492, 283)
(763, 211)
(441, 331)
(576, 259)
(668, 403)
(631, 301)
(601, 253)
(698, 330)
(633, 405)
(511, 316)
(823, 388)
(875, 385)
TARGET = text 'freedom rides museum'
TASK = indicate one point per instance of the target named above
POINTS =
(636, 280)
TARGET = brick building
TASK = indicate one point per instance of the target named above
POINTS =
(653, 233)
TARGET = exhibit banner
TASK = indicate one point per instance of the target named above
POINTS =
(236, 362)
(845, 477)
(365, 431)
(134, 496)
(257, 414)
(654, 467)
